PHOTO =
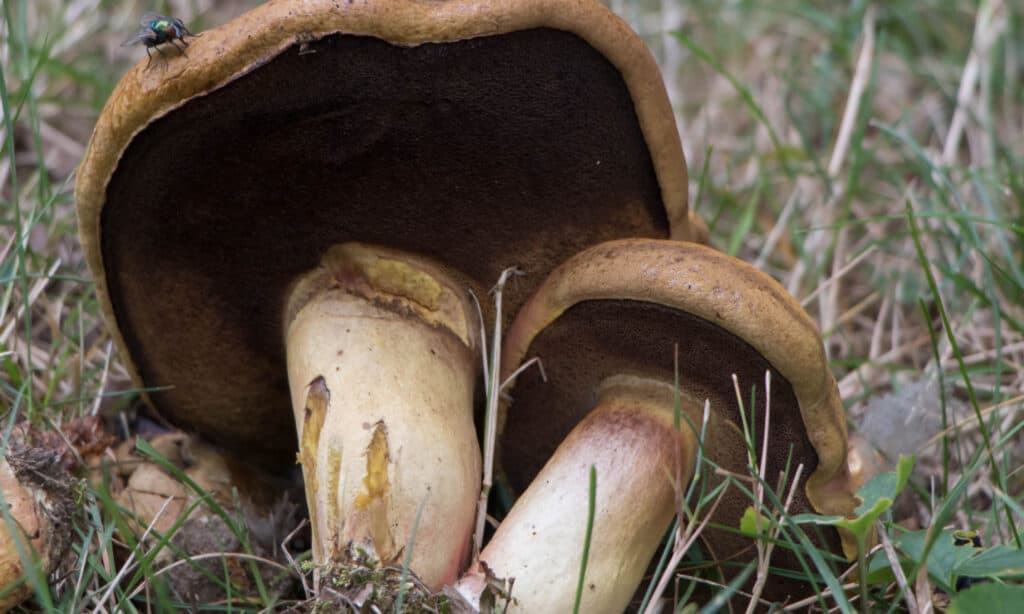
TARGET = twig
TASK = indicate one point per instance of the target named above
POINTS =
(291, 560)
(897, 570)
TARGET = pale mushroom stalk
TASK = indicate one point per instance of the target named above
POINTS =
(642, 461)
(381, 363)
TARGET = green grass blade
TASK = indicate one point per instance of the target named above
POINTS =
(951, 337)
(745, 94)
(591, 508)
(408, 557)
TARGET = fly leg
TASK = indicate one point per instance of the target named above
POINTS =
(181, 49)
(162, 55)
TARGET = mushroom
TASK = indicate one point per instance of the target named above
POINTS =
(39, 506)
(606, 324)
(291, 216)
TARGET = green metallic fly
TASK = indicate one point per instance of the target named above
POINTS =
(157, 30)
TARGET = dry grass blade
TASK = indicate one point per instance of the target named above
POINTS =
(897, 570)
(989, 26)
(838, 274)
(492, 370)
(689, 530)
(33, 296)
(129, 564)
(103, 378)
(307, 590)
(858, 87)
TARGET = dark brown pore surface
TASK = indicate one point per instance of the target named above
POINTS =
(594, 340)
(518, 149)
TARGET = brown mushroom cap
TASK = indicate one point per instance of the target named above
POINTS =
(620, 308)
(479, 134)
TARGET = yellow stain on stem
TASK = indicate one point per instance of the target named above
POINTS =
(318, 400)
(335, 523)
(376, 480)
(377, 486)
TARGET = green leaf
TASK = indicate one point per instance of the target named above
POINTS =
(880, 569)
(943, 558)
(994, 562)
(749, 522)
(988, 598)
(876, 498)
(947, 561)
(885, 486)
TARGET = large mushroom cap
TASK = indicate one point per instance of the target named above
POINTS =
(621, 308)
(479, 134)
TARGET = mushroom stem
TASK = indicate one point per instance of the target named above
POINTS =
(643, 463)
(381, 366)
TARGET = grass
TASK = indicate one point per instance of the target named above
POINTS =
(591, 505)
(870, 156)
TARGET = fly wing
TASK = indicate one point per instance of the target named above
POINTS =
(144, 35)
(182, 28)
(150, 17)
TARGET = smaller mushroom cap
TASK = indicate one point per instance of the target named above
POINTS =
(625, 308)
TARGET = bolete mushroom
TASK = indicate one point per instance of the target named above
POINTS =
(39, 505)
(291, 216)
(606, 324)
